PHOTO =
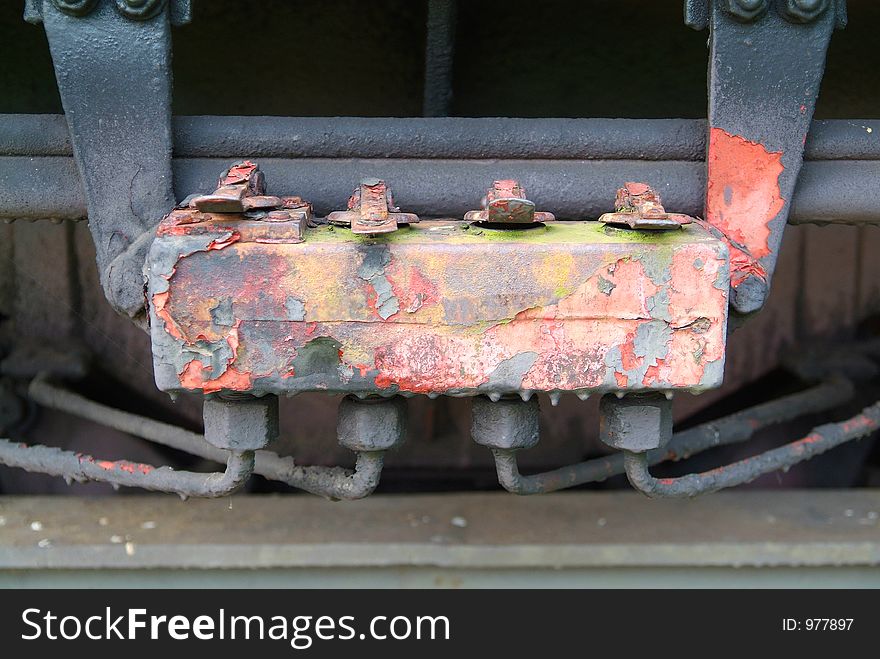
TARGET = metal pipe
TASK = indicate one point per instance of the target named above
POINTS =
(328, 482)
(439, 52)
(483, 138)
(821, 439)
(828, 192)
(732, 429)
(82, 468)
(334, 483)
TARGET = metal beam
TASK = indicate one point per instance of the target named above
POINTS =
(440, 138)
(457, 539)
(439, 53)
(441, 166)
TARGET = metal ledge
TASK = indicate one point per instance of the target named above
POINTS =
(473, 532)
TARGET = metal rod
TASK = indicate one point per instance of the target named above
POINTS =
(333, 483)
(732, 429)
(328, 482)
(821, 439)
(439, 53)
(82, 468)
(492, 138)
(48, 188)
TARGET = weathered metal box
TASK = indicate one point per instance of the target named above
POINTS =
(438, 307)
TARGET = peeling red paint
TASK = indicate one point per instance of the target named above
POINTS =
(412, 288)
(160, 301)
(196, 376)
(628, 357)
(743, 198)
(226, 241)
(652, 374)
(563, 315)
(120, 465)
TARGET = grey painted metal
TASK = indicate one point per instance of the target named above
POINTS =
(451, 535)
(764, 78)
(114, 77)
(447, 138)
(245, 424)
(638, 422)
(439, 54)
(333, 483)
(509, 424)
(84, 468)
(371, 424)
(821, 439)
(48, 186)
(732, 429)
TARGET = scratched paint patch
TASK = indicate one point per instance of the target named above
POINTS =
(743, 198)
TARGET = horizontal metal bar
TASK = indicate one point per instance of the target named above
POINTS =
(829, 191)
(473, 531)
(441, 138)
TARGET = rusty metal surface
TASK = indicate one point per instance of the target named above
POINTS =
(567, 307)
(506, 203)
(371, 210)
(638, 206)
(488, 531)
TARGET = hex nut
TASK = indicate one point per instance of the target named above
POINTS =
(637, 422)
(509, 423)
(372, 424)
(802, 11)
(746, 11)
(247, 424)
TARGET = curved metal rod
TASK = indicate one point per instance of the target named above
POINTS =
(334, 483)
(82, 468)
(821, 439)
(735, 428)
(329, 482)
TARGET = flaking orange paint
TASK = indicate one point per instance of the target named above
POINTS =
(742, 198)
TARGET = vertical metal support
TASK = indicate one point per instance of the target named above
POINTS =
(439, 52)
(113, 66)
(765, 69)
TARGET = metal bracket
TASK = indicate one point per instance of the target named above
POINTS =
(765, 69)
(113, 66)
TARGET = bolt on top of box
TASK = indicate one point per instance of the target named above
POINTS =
(250, 293)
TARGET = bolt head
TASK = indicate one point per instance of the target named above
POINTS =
(746, 11)
(637, 422)
(248, 424)
(803, 11)
(510, 423)
(371, 424)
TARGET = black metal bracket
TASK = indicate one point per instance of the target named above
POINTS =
(112, 62)
(765, 69)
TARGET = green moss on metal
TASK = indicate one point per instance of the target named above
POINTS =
(555, 233)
